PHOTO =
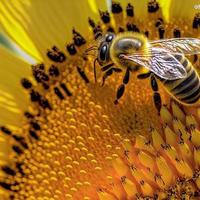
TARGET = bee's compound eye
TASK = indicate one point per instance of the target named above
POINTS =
(109, 38)
(103, 52)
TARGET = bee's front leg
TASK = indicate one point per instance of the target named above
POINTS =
(109, 73)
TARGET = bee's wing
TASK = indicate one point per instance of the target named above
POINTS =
(187, 46)
(160, 62)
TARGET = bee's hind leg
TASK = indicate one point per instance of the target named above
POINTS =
(156, 95)
(121, 88)
(154, 86)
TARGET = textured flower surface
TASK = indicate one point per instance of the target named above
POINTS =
(61, 135)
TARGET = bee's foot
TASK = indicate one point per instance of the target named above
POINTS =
(116, 102)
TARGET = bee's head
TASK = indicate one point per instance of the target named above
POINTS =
(103, 56)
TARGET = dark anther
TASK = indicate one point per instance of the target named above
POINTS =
(18, 138)
(5, 130)
(26, 83)
(120, 30)
(66, 90)
(196, 21)
(56, 55)
(35, 125)
(24, 144)
(177, 33)
(91, 22)
(58, 93)
(105, 17)
(97, 31)
(110, 29)
(71, 49)
(21, 141)
(6, 186)
(78, 38)
(39, 73)
(28, 115)
(45, 86)
(82, 74)
(44, 103)
(161, 32)
(129, 10)
(53, 71)
(153, 6)
(19, 167)
(33, 134)
(8, 170)
(116, 8)
(146, 33)
(35, 96)
(159, 22)
(17, 149)
(132, 27)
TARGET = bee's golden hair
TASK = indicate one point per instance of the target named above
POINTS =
(142, 38)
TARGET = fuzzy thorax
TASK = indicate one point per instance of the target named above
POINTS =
(128, 43)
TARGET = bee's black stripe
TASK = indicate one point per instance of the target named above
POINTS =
(192, 96)
(187, 90)
(184, 83)
(194, 100)
(188, 87)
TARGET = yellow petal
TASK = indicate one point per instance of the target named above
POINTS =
(46, 22)
(13, 99)
(17, 33)
(165, 6)
(183, 9)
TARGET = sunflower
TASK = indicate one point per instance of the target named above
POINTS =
(61, 135)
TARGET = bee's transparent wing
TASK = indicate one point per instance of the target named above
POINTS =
(187, 46)
(160, 62)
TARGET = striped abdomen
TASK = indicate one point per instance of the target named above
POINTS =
(186, 90)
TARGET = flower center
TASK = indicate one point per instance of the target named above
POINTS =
(76, 143)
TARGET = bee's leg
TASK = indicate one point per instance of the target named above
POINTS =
(109, 72)
(95, 74)
(106, 75)
(121, 88)
(144, 75)
(117, 70)
(106, 67)
(156, 95)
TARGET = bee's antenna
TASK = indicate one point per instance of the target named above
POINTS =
(91, 48)
(95, 76)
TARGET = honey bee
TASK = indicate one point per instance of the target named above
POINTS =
(164, 59)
